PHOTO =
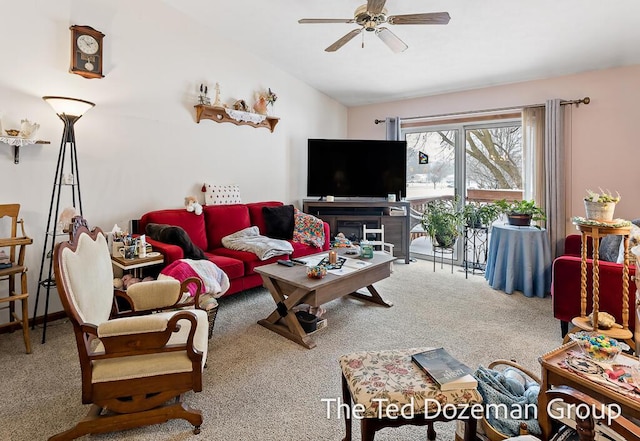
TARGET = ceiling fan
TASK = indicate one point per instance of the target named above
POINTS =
(371, 16)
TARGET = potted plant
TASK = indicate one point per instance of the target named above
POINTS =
(521, 213)
(478, 214)
(600, 206)
(442, 221)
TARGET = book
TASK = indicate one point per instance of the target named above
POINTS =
(445, 370)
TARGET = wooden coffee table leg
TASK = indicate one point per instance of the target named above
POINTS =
(291, 328)
(375, 297)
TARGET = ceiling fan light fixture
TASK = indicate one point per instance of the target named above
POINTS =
(391, 40)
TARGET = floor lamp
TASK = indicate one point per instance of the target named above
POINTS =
(69, 110)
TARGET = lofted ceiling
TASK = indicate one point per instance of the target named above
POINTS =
(486, 42)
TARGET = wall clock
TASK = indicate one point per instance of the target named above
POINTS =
(86, 51)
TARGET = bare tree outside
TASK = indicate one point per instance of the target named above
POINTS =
(494, 157)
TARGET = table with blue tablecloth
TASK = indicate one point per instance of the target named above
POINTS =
(519, 260)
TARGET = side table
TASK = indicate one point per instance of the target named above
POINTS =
(562, 367)
(137, 263)
(519, 259)
(597, 230)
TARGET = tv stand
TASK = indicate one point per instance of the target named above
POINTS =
(350, 215)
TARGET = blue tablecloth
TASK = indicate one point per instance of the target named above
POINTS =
(519, 259)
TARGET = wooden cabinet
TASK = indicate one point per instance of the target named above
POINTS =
(348, 217)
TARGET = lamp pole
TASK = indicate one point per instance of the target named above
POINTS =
(70, 110)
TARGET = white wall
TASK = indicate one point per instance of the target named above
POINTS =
(604, 133)
(140, 149)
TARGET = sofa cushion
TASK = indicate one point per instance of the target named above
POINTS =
(249, 260)
(189, 222)
(222, 220)
(233, 268)
(256, 216)
(279, 221)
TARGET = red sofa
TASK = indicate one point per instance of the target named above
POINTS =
(565, 286)
(207, 230)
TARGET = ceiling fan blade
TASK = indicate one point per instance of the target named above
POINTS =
(375, 6)
(428, 18)
(344, 40)
(391, 40)
(325, 20)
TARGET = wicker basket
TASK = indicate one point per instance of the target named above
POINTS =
(211, 316)
(489, 432)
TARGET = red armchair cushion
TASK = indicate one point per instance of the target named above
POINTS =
(223, 220)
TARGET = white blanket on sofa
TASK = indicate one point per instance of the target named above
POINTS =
(250, 240)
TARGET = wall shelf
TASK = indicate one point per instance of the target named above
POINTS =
(17, 143)
(218, 114)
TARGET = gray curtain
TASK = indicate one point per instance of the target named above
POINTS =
(554, 176)
(392, 125)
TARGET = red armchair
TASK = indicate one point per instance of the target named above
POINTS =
(565, 285)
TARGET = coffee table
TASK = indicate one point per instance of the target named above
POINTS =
(290, 286)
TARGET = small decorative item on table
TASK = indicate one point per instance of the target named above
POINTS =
(12, 132)
(600, 206)
(316, 272)
(333, 257)
(366, 250)
(598, 347)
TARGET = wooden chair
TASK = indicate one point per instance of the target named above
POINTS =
(16, 246)
(378, 238)
(135, 368)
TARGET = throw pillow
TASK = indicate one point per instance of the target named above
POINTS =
(308, 229)
(634, 239)
(279, 221)
(221, 194)
(610, 246)
(175, 235)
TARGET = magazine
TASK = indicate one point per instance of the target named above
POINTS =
(445, 370)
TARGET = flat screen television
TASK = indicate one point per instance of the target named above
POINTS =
(356, 168)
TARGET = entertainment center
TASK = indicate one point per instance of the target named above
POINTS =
(348, 217)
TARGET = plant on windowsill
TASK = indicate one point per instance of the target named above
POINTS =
(443, 221)
(600, 206)
(480, 214)
(521, 213)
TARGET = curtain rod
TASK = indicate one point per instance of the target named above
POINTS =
(585, 100)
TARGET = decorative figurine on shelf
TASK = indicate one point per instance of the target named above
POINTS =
(203, 98)
(217, 102)
(28, 129)
(65, 219)
(264, 99)
(261, 104)
(241, 105)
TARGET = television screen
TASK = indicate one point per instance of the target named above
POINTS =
(356, 168)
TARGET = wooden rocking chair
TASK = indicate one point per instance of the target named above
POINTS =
(135, 369)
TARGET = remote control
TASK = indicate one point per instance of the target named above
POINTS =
(285, 262)
(298, 261)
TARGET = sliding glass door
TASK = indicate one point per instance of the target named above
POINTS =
(480, 162)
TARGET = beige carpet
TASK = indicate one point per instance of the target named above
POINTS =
(259, 385)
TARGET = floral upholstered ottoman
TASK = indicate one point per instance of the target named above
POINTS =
(386, 389)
